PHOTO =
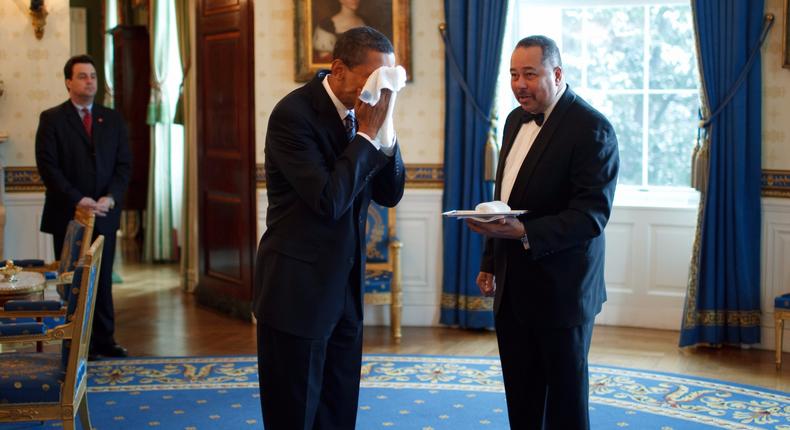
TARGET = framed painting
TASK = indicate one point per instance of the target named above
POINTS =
(319, 22)
(786, 36)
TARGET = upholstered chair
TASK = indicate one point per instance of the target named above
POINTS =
(37, 386)
(382, 274)
(76, 243)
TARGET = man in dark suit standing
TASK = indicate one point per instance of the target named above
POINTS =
(82, 154)
(323, 165)
(559, 160)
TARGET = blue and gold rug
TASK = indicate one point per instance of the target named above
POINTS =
(412, 392)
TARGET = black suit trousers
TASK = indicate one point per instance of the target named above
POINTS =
(311, 384)
(103, 332)
(545, 372)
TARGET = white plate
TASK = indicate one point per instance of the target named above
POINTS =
(483, 216)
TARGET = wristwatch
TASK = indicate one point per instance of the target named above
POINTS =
(524, 239)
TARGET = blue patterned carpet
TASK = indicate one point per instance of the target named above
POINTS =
(412, 392)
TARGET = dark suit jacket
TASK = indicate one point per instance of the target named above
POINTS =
(319, 187)
(567, 183)
(74, 166)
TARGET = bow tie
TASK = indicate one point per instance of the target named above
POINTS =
(537, 117)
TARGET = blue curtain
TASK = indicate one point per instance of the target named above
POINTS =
(723, 300)
(475, 29)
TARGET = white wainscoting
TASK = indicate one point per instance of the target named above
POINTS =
(775, 258)
(648, 250)
(22, 236)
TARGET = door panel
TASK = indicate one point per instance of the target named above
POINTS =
(226, 154)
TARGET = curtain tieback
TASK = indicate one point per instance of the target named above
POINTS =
(768, 22)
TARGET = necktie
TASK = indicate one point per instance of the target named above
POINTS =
(537, 117)
(87, 121)
(350, 122)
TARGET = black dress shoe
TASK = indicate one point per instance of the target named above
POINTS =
(114, 350)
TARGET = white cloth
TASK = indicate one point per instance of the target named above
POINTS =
(394, 79)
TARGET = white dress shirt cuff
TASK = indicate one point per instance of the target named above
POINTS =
(388, 150)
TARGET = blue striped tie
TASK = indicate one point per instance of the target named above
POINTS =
(350, 122)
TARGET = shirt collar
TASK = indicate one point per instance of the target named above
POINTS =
(81, 107)
(342, 111)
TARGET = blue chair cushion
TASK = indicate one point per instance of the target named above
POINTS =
(378, 281)
(32, 305)
(377, 235)
(30, 262)
(782, 302)
(22, 328)
(30, 377)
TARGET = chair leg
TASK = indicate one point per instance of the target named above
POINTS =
(85, 418)
(779, 324)
(395, 316)
(68, 424)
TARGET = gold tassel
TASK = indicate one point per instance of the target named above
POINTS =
(700, 158)
(491, 157)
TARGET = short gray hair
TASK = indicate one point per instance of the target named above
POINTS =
(551, 54)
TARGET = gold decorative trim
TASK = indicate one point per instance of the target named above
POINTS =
(23, 179)
(429, 176)
(378, 298)
(776, 183)
(467, 303)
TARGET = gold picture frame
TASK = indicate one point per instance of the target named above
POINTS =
(391, 17)
(786, 37)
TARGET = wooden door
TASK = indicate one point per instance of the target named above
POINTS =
(226, 154)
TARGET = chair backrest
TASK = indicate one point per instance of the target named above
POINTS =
(77, 239)
(379, 231)
(79, 321)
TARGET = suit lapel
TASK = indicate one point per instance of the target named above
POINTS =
(73, 118)
(329, 120)
(542, 141)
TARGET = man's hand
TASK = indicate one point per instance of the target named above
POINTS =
(87, 203)
(505, 228)
(370, 118)
(485, 281)
(103, 206)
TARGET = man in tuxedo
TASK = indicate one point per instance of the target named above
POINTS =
(323, 165)
(559, 160)
(83, 156)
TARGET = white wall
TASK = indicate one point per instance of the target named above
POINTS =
(32, 71)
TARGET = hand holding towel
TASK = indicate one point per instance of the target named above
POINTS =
(391, 78)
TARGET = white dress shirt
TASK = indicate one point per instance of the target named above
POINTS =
(80, 108)
(518, 152)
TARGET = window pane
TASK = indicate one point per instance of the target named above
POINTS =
(615, 40)
(673, 130)
(673, 62)
(571, 46)
(625, 113)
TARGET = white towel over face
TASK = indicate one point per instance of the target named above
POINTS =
(392, 78)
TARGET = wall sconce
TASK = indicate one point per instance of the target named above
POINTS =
(38, 15)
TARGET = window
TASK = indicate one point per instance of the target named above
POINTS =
(633, 61)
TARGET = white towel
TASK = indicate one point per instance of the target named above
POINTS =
(392, 78)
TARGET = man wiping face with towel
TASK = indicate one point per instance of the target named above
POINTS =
(330, 149)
